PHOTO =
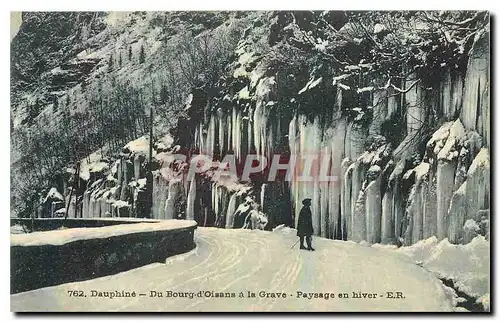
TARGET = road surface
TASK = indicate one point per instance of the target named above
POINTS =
(242, 263)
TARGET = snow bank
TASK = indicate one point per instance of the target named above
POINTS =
(466, 265)
(282, 229)
(421, 250)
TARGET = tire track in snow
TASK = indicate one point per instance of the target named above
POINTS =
(203, 244)
(282, 281)
(252, 272)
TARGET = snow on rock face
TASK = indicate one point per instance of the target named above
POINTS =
(53, 194)
(438, 139)
(449, 152)
(421, 171)
(244, 60)
(311, 84)
(480, 162)
(93, 164)
(244, 94)
(165, 143)
(468, 202)
(138, 146)
(439, 202)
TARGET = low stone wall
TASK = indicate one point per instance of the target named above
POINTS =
(44, 224)
(47, 258)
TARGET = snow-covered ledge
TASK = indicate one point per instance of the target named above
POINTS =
(47, 258)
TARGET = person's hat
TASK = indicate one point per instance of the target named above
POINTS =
(306, 201)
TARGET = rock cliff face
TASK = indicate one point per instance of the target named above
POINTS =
(408, 154)
(391, 192)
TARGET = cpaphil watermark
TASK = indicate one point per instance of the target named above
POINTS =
(310, 167)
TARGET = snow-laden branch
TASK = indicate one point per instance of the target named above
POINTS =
(406, 90)
(452, 23)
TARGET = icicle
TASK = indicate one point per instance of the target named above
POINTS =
(392, 105)
(263, 189)
(85, 205)
(444, 182)
(250, 133)
(211, 136)
(345, 199)
(174, 189)
(214, 196)
(231, 208)
(221, 128)
(257, 122)
(229, 131)
(237, 147)
(413, 212)
(476, 88)
(137, 166)
(379, 113)
(268, 142)
(359, 217)
(446, 94)
(316, 209)
(325, 194)
(160, 194)
(235, 130)
(355, 138)
(373, 210)
(190, 200)
(387, 221)
(335, 191)
(358, 221)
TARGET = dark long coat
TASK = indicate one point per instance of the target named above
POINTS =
(304, 224)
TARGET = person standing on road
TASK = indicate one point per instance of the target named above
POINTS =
(304, 225)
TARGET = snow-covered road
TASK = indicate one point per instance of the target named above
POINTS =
(245, 261)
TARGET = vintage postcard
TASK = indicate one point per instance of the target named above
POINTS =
(250, 161)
